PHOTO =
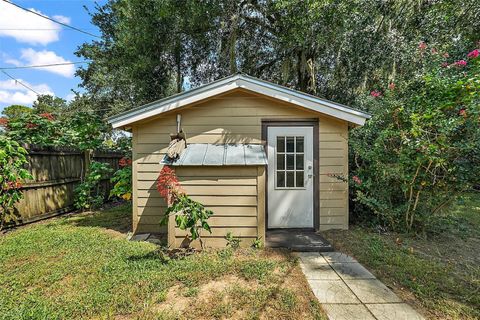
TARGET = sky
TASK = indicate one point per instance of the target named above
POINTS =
(27, 39)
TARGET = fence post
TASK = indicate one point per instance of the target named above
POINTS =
(87, 158)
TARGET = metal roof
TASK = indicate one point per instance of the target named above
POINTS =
(203, 154)
(239, 81)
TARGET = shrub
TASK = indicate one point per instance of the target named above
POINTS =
(421, 149)
(12, 173)
(122, 180)
(82, 130)
(88, 194)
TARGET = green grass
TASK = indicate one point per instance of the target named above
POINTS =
(83, 267)
(439, 274)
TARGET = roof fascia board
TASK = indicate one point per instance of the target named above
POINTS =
(286, 95)
(172, 104)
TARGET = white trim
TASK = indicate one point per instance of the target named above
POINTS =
(239, 81)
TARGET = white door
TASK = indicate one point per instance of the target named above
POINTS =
(290, 177)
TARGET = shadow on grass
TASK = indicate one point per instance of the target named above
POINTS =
(156, 256)
(117, 218)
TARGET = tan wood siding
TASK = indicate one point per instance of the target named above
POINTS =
(333, 159)
(233, 118)
(234, 202)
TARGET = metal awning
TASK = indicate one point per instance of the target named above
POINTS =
(203, 154)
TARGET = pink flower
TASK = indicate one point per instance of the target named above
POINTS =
(422, 45)
(446, 55)
(445, 64)
(460, 63)
(462, 112)
(391, 86)
(434, 51)
(375, 93)
(357, 180)
(472, 55)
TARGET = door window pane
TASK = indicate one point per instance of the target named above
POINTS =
(299, 144)
(281, 161)
(281, 179)
(280, 144)
(290, 161)
(290, 144)
(300, 179)
(299, 164)
(290, 179)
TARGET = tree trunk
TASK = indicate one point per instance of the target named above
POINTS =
(178, 62)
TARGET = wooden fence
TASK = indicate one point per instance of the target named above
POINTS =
(56, 172)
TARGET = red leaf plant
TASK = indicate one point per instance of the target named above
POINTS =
(4, 122)
(31, 125)
(168, 185)
(124, 162)
(47, 116)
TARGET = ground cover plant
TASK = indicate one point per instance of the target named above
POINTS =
(82, 266)
(438, 272)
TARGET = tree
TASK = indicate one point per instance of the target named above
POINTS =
(48, 103)
(328, 48)
(16, 111)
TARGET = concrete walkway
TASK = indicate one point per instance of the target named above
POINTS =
(347, 290)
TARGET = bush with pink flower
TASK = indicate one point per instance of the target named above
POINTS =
(421, 149)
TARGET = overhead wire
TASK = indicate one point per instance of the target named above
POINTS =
(19, 82)
(53, 20)
(43, 65)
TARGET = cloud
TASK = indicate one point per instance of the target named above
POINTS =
(32, 57)
(62, 19)
(69, 97)
(11, 92)
(15, 62)
(41, 31)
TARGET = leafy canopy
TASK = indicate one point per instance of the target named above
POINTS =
(331, 48)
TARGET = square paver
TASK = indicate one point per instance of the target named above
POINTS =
(347, 312)
(332, 291)
(318, 271)
(394, 311)
(352, 270)
(372, 291)
(337, 257)
(309, 256)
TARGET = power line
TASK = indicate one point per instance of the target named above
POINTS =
(43, 65)
(37, 29)
(53, 20)
(21, 83)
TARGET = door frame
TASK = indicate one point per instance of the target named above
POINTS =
(313, 122)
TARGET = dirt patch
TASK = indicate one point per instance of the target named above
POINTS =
(174, 301)
(285, 295)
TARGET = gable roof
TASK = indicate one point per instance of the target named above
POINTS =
(239, 81)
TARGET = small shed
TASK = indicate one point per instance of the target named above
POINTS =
(259, 155)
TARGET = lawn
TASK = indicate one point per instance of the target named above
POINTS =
(82, 266)
(438, 274)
